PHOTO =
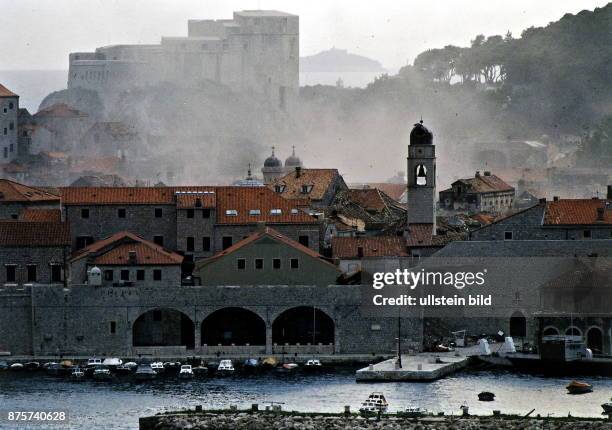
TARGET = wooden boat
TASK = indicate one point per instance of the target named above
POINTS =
(270, 362)
(287, 368)
(145, 372)
(486, 396)
(577, 387)
(375, 403)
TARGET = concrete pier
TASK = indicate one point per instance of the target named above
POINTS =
(421, 367)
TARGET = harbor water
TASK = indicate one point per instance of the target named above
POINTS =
(119, 404)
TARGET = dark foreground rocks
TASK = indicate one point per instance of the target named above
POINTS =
(296, 421)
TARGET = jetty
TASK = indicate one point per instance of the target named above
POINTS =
(422, 367)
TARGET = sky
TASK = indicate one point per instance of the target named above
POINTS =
(38, 35)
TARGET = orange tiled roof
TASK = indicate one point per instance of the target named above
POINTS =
(395, 191)
(319, 179)
(421, 235)
(26, 234)
(125, 195)
(246, 199)
(189, 199)
(5, 92)
(377, 246)
(269, 232)
(15, 192)
(577, 212)
(484, 184)
(41, 215)
(369, 198)
(115, 250)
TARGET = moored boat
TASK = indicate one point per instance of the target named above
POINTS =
(313, 365)
(200, 371)
(32, 365)
(102, 373)
(607, 407)
(413, 412)
(250, 365)
(172, 366)
(3, 365)
(375, 403)
(226, 367)
(144, 372)
(56, 369)
(77, 374)
(112, 362)
(158, 367)
(126, 368)
(486, 396)
(17, 367)
(186, 372)
(287, 368)
(270, 362)
(577, 387)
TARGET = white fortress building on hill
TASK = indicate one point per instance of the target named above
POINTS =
(257, 51)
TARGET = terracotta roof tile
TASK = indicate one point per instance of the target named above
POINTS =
(15, 192)
(193, 199)
(5, 92)
(484, 184)
(577, 212)
(126, 195)
(319, 179)
(31, 234)
(395, 191)
(115, 250)
(377, 246)
(421, 236)
(269, 232)
(41, 215)
(246, 201)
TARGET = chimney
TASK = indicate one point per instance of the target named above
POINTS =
(600, 214)
(543, 200)
(478, 173)
(298, 171)
(555, 198)
(132, 257)
(487, 173)
(609, 192)
(360, 252)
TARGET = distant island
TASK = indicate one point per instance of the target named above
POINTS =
(338, 60)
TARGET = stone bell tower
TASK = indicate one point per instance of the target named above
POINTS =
(421, 177)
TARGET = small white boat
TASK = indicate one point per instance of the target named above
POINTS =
(112, 362)
(17, 366)
(186, 372)
(94, 362)
(313, 365)
(158, 367)
(226, 367)
(413, 412)
(77, 374)
(102, 374)
(375, 403)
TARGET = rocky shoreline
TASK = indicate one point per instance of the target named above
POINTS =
(246, 420)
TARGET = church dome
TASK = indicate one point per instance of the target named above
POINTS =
(420, 135)
(272, 161)
(293, 161)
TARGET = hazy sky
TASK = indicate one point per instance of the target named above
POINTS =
(40, 34)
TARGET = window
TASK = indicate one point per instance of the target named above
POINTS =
(295, 263)
(303, 240)
(11, 148)
(157, 315)
(121, 213)
(158, 240)
(276, 211)
(276, 263)
(140, 275)
(14, 216)
(226, 242)
(507, 235)
(255, 212)
(11, 125)
(125, 275)
(31, 272)
(113, 327)
(84, 213)
(420, 175)
(11, 105)
(586, 234)
(108, 275)
(206, 244)
(157, 275)
(158, 212)
(190, 244)
(56, 273)
(205, 213)
(5, 131)
(259, 263)
(190, 213)
(11, 273)
(83, 241)
(241, 264)
(231, 212)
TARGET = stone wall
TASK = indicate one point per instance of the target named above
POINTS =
(41, 257)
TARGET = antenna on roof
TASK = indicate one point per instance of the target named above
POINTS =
(421, 121)
(273, 148)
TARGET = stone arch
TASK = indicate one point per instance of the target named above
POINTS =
(550, 331)
(594, 339)
(163, 327)
(303, 325)
(518, 324)
(573, 331)
(233, 326)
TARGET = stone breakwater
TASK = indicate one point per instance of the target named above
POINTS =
(297, 421)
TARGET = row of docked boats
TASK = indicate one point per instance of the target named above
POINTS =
(104, 369)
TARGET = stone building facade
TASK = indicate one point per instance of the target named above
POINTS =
(9, 109)
(15, 198)
(256, 51)
(482, 193)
